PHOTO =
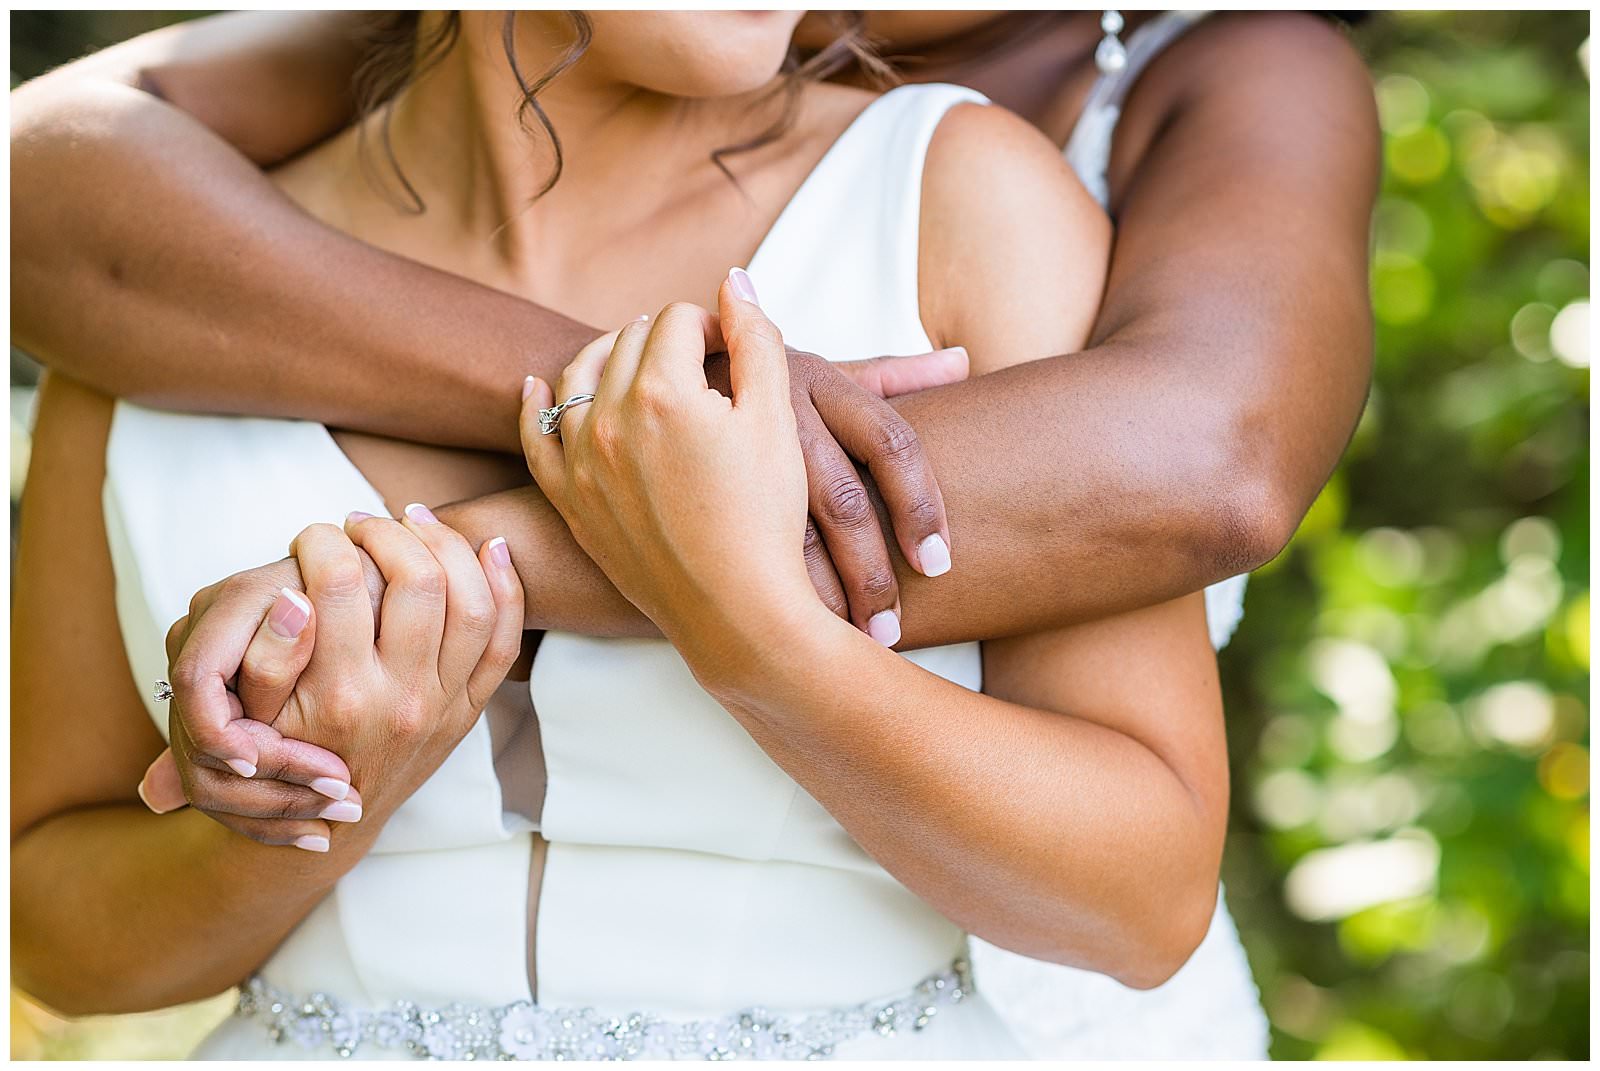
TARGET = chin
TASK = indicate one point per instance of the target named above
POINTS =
(695, 53)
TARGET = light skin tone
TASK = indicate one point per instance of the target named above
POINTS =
(1223, 376)
(1224, 373)
(98, 923)
(1145, 747)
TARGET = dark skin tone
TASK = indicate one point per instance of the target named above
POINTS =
(1226, 371)
(1224, 375)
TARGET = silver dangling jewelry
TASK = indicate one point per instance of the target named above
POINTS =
(1110, 55)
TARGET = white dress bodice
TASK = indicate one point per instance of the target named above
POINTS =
(686, 874)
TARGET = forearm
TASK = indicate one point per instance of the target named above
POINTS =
(562, 587)
(155, 262)
(1041, 832)
(1077, 487)
(1090, 484)
(115, 909)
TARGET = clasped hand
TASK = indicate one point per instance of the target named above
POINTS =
(689, 489)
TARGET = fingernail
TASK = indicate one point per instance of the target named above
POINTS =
(312, 843)
(289, 615)
(421, 514)
(355, 516)
(527, 388)
(146, 800)
(242, 768)
(743, 288)
(499, 553)
(342, 811)
(933, 557)
(331, 787)
(884, 627)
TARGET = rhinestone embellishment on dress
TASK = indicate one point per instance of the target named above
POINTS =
(524, 1031)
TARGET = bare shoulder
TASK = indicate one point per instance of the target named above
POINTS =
(1292, 65)
(1007, 230)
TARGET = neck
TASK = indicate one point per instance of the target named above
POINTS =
(481, 162)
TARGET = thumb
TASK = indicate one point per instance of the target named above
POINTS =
(277, 655)
(162, 788)
(758, 364)
(890, 376)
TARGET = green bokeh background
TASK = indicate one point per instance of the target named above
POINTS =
(1408, 693)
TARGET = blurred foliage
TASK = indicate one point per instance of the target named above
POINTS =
(1408, 694)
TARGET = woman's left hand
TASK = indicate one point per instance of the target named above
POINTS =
(693, 503)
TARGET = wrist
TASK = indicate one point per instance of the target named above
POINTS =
(743, 655)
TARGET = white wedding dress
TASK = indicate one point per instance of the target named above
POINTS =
(694, 901)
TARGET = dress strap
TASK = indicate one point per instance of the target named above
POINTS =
(1089, 148)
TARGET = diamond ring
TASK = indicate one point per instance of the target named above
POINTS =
(550, 419)
(163, 691)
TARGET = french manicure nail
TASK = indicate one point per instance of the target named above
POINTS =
(331, 787)
(933, 556)
(499, 553)
(527, 387)
(146, 800)
(289, 615)
(743, 288)
(421, 514)
(356, 516)
(884, 627)
(312, 843)
(242, 768)
(342, 811)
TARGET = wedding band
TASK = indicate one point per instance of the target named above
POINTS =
(163, 691)
(550, 419)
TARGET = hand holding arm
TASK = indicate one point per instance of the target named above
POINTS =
(959, 795)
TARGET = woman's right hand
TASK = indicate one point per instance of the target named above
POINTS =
(394, 701)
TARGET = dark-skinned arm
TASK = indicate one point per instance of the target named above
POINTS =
(153, 260)
(1226, 372)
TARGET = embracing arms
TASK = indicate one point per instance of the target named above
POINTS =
(115, 909)
(1226, 370)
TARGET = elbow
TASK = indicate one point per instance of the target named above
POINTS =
(90, 992)
(1251, 518)
(1144, 937)
(1163, 945)
(1240, 502)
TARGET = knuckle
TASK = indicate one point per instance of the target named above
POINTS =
(478, 615)
(875, 585)
(175, 636)
(920, 510)
(845, 503)
(408, 720)
(605, 436)
(676, 311)
(583, 479)
(755, 331)
(894, 441)
(339, 578)
(319, 531)
(425, 579)
(262, 667)
(652, 398)
(188, 672)
(342, 701)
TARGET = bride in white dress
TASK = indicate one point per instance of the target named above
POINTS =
(679, 889)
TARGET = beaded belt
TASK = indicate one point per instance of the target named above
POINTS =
(524, 1031)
